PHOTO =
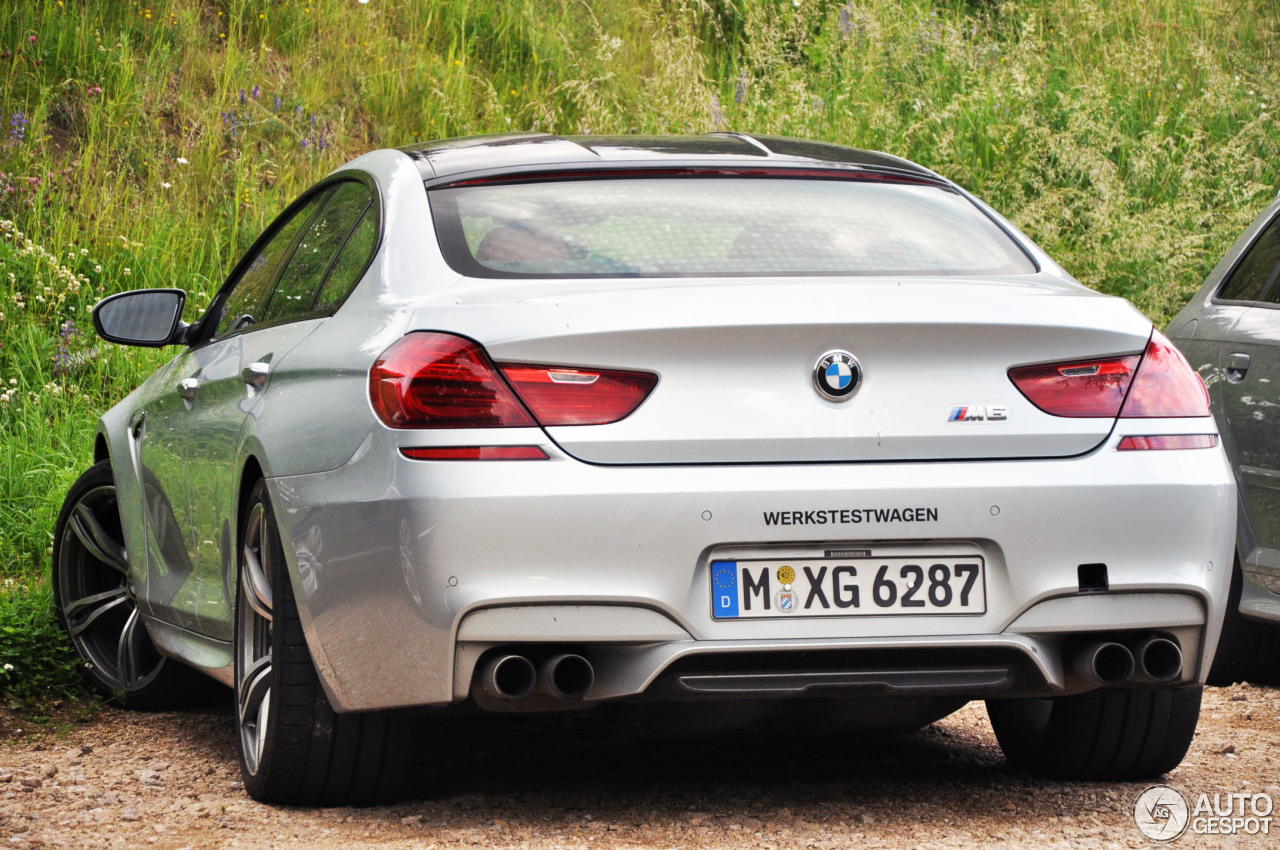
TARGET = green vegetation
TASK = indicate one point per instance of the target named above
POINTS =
(145, 145)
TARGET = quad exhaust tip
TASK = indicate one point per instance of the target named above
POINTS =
(508, 677)
(1153, 659)
(1159, 660)
(1108, 663)
(566, 676)
(563, 676)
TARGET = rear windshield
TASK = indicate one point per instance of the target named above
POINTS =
(697, 225)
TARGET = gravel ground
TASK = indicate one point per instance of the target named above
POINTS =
(125, 779)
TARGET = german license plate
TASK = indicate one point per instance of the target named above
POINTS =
(848, 587)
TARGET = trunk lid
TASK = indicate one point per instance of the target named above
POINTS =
(736, 362)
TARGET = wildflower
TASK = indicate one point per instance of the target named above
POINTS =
(182, 160)
(276, 106)
(740, 91)
(846, 22)
(8, 668)
(84, 252)
(31, 38)
(257, 90)
(19, 126)
(242, 97)
(127, 271)
(93, 91)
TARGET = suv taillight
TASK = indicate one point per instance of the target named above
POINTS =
(438, 380)
(1159, 383)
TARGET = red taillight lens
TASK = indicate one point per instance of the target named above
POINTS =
(1159, 383)
(1168, 441)
(1086, 388)
(559, 396)
(1166, 385)
(434, 380)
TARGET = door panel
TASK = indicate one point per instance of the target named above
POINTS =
(213, 456)
(1250, 387)
(171, 590)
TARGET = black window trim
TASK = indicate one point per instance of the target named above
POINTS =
(1267, 289)
(206, 326)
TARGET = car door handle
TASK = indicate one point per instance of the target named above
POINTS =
(1237, 366)
(255, 374)
(187, 388)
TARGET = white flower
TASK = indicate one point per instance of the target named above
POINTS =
(98, 269)
(166, 185)
(182, 160)
(127, 271)
(8, 668)
(84, 252)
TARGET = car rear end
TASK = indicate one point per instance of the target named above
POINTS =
(614, 462)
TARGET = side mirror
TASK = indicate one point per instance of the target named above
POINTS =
(147, 317)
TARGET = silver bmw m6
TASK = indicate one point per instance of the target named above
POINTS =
(716, 428)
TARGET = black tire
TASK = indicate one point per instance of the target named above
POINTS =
(1248, 650)
(293, 747)
(1107, 734)
(94, 594)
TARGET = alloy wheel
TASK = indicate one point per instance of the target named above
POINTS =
(95, 595)
(253, 624)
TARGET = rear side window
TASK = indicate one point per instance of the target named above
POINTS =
(351, 263)
(326, 234)
(1257, 270)
(699, 225)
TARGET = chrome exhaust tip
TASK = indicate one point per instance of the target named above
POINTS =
(1159, 660)
(508, 677)
(566, 676)
(1105, 663)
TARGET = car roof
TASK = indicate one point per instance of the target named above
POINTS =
(450, 160)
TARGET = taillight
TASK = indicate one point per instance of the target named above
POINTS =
(1159, 383)
(559, 396)
(1166, 385)
(437, 380)
(1084, 388)
(433, 380)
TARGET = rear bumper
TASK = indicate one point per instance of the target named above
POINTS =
(407, 572)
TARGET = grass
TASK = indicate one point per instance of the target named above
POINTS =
(146, 144)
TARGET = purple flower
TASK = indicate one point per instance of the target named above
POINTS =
(299, 112)
(242, 98)
(19, 126)
(740, 93)
(276, 107)
(846, 22)
(306, 143)
(257, 90)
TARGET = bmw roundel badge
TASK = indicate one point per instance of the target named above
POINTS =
(837, 375)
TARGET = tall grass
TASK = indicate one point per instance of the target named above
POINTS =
(146, 144)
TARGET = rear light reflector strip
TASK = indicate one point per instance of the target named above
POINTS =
(1168, 441)
(476, 453)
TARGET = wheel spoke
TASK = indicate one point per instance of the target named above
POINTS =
(96, 539)
(81, 613)
(257, 583)
(129, 653)
(255, 690)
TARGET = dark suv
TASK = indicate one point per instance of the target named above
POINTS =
(1230, 331)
